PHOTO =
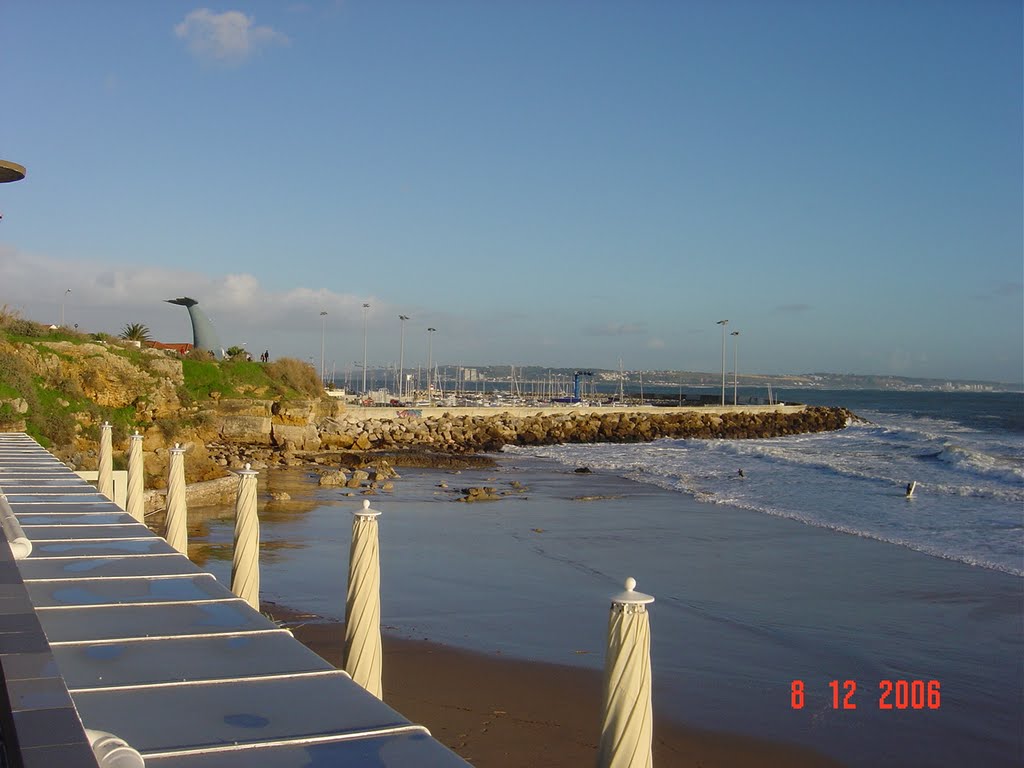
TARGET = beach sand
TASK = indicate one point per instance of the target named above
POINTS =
(501, 712)
(745, 604)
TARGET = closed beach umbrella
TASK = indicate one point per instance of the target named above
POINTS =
(176, 531)
(362, 653)
(134, 499)
(105, 476)
(245, 562)
(627, 728)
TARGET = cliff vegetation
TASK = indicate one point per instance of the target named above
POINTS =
(59, 386)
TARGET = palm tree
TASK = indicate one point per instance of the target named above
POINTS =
(135, 332)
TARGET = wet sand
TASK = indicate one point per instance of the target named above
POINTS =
(501, 713)
(745, 604)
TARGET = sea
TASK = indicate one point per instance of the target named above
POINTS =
(805, 600)
(964, 452)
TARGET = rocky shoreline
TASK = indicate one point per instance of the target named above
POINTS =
(359, 453)
(229, 422)
(224, 430)
(451, 440)
(450, 434)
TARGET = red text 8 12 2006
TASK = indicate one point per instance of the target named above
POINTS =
(892, 694)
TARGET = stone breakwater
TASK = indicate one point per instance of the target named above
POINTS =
(451, 432)
(475, 433)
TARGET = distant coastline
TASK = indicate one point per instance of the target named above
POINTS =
(637, 382)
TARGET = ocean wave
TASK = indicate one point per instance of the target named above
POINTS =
(860, 460)
(682, 469)
(980, 463)
(970, 491)
(789, 479)
(925, 426)
(738, 503)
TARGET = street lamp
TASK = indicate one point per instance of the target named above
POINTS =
(323, 334)
(62, 306)
(401, 360)
(430, 384)
(735, 363)
(723, 323)
(365, 307)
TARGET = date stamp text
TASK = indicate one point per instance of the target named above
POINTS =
(892, 694)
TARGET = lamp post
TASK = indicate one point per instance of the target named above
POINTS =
(365, 307)
(401, 360)
(356, 364)
(323, 335)
(723, 323)
(62, 306)
(430, 384)
(735, 363)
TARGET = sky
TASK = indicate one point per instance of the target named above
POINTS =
(557, 183)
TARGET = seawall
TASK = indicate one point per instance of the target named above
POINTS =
(473, 430)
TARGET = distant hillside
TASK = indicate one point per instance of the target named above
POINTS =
(536, 378)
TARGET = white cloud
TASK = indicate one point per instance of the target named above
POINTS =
(229, 38)
(104, 297)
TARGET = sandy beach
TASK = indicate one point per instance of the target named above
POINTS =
(512, 596)
(499, 713)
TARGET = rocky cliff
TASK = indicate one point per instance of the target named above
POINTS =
(62, 390)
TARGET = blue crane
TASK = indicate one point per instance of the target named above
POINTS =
(575, 388)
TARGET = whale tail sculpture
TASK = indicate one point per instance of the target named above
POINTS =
(203, 334)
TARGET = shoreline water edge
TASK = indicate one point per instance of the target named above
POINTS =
(748, 605)
(496, 712)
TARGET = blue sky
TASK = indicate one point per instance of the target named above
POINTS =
(555, 183)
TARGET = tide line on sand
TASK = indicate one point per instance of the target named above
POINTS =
(496, 711)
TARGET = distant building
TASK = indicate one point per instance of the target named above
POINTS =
(181, 349)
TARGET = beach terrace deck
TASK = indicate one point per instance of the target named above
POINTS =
(106, 628)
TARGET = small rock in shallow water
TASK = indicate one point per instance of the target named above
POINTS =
(333, 478)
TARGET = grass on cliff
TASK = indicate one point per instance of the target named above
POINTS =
(54, 410)
(45, 418)
(283, 379)
(53, 414)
